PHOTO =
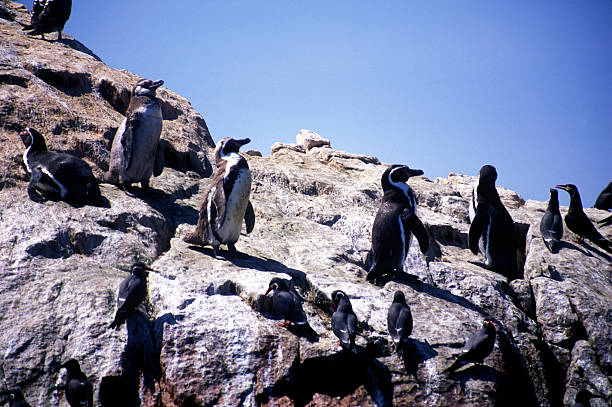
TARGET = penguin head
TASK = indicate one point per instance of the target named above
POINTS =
(146, 87)
(277, 284)
(229, 145)
(73, 367)
(140, 270)
(399, 297)
(32, 138)
(397, 174)
(487, 175)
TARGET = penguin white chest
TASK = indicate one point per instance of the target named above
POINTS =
(235, 205)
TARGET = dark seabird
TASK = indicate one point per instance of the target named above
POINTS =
(79, 391)
(132, 291)
(287, 304)
(226, 200)
(604, 200)
(399, 319)
(49, 16)
(478, 347)
(57, 175)
(551, 225)
(395, 223)
(492, 228)
(344, 320)
(578, 222)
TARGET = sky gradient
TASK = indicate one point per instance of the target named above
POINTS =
(444, 86)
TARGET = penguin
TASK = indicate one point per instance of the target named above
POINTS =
(395, 222)
(344, 320)
(49, 16)
(16, 399)
(604, 200)
(226, 200)
(578, 222)
(136, 153)
(399, 319)
(551, 225)
(79, 390)
(132, 291)
(288, 304)
(477, 348)
(492, 227)
(57, 175)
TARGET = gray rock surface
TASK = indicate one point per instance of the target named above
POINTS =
(204, 336)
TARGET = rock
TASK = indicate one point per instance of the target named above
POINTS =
(278, 146)
(253, 153)
(203, 336)
(308, 139)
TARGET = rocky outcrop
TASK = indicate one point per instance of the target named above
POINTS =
(204, 338)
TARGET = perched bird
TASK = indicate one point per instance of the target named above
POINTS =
(57, 175)
(578, 222)
(492, 228)
(344, 320)
(226, 200)
(136, 153)
(395, 223)
(132, 291)
(478, 347)
(15, 398)
(551, 225)
(49, 16)
(604, 200)
(79, 390)
(399, 319)
(288, 305)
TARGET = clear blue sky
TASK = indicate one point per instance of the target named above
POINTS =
(445, 86)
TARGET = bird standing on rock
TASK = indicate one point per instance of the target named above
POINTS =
(226, 200)
(48, 16)
(287, 304)
(578, 222)
(132, 291)
(604, 200)
(344, 320)
(551, 225)
(79, 390)
(399, 319)
(477, 348)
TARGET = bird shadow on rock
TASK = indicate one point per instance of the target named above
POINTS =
(337, 375)
(418, 285)
(477, 372)
(595, 250)
(267, 265)
(140, 357)
(414, 352)
(166, 204)
(570, 246)
(77, 46)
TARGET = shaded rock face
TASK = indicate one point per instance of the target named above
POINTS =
(200, 339)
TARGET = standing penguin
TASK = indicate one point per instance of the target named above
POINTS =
(79, 390)
(344, 320)
(399, 319)
(578, 222)
(48, 16)
(477, 348)
(492, 228)
(288, 305)
(132, 291)
(136, 153)
(604, 200)
(395, 222)
(57, 175)
(551, 225)
(226, 200)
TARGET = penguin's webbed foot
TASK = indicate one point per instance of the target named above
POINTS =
(284, 324)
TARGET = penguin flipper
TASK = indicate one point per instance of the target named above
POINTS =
(158, 167)
(127, 140)
(413, 223)
(32, 190)
(477, 227)
(249, 218)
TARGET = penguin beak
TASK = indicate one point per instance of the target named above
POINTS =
(243, 141)
(156, 84)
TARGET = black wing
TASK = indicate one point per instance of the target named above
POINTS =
(413, 223)
(249, 218)
(479, 223)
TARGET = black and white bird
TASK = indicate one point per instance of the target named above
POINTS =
(395, 223)
(136, 152)
(15, 398)
(78, 389)
(344, 320)
(57, 175)
(492, 227)
(578, 222)
(132, 292)
(226, 200)
(477, 348)
(399, 319)
(49, 16)
(604, 200)
(551, 225)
